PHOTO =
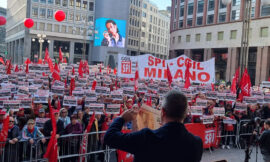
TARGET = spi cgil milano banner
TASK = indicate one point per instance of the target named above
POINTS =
(151, 67)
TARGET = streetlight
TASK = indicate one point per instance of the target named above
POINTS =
(41, 38)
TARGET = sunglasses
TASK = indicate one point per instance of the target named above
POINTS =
(31, 123)
(11, 121)
(64, 112)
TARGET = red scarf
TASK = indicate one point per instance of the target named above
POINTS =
(30, 130)
(10, 127)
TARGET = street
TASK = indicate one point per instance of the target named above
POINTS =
(232, 155)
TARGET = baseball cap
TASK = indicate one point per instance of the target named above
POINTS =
(41, 110)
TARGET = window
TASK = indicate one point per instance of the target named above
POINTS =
(173, 40)
(57, 2)
(265, 10)
(189, 22)
(145, 5)
(222, 17)
(198, 37)
(34, 12)
(199, 20)
(233, 34)
(65, 3)
(211, 5)
(179, 39)
(181, 24)
(42, 12)
(236, 2)
(210, 19)
(187, 38)
(71, 16)
(264, 32)
(220, 35)
(84, 5)
(200, 6)
(235, 15)
(142, 44)
(208, 36)
(150, 28)
(90, 18)
(221, 5)
(144, 14)
(151, 18)
(35, 0)
(42, 1)
(143, 24)
(50, 1)
(78, 17)
(91, 6)
(190, 8)
(143, 34)
(71, 3)
(78, 3)
(182, 1)
(182, 8)
(49, 14)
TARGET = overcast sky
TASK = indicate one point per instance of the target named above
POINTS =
(162, 4)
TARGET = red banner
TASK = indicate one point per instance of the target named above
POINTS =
(208, 133)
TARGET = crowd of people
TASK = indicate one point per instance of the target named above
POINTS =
(33, 124)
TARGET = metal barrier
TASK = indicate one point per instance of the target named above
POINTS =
(68, 149)
(227, 137)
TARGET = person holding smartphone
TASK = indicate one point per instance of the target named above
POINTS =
(112, 37)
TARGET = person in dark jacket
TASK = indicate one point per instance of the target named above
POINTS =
(72, 143)
(266, 111)
(12, 147)
(170, 143)
(264, 141)
(48, 126)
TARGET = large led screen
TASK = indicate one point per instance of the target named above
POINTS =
(110, 32)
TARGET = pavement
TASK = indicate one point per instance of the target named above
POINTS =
(231, 155)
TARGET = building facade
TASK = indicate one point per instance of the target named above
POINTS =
(74, 35)
(148, 29)
(202, 29)
(3, 12)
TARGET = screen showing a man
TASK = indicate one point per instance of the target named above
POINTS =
(110, 33)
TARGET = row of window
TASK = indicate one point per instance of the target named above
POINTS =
(61, 29)
(156, 20)
(151, 47)
(134, 22)
(220, 35)
(136, 3)
(222, 13)
(48, 14)
(69, 3)
(134, 12)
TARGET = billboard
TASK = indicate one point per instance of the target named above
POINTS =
(110, 32)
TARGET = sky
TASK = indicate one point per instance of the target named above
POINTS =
(3, 3)
(162, 4)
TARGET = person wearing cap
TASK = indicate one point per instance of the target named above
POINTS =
(31, 132)
(59, 124)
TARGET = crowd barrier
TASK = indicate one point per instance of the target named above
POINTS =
(69, 145)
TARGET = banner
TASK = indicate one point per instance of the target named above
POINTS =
(151, 67)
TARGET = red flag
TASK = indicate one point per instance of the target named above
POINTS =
(80, 70)
(245, 85)
(16, 68)
(94, 84)
(269, 79)
(9, 66)
(40, 61)
(237, 75)
(73, 71)
(169, 75)
(50, 64)
(100, 69)
(187, 77)
(72, 86)
(4, 132)
(60, 55)
(27, 68)
(2, 61)
(51, 153)
(83, 148)
(27, 61)
(65, 60)
(136, 80)
(47, 56)
(234, 82)
(55, 73)
(114, 71)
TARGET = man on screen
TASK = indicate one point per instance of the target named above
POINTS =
(112, 38)
(170, 143)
